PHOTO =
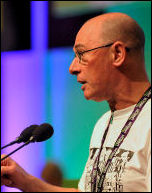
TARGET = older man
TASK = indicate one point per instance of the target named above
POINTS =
(109, 63)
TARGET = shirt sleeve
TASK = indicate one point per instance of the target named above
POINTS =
(81, 185)
(148, 177)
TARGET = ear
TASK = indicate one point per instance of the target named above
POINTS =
(118, 53)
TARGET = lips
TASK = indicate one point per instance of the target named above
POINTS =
(81, 81)
(83, 84)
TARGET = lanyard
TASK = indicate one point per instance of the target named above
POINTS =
(146, 96)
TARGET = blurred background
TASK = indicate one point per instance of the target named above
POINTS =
(36, 87)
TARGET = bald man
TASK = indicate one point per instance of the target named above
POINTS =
(109, 63)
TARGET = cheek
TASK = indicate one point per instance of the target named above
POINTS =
(98, 83)
(96, 77)
(97, 71)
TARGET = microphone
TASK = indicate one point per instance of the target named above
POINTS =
(41, 133)
(44, 132)
(24, 136)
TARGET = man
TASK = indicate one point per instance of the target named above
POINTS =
(109, 63)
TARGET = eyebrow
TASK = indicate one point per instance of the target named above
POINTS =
(79, 45)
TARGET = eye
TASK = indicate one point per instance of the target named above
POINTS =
(80, 54)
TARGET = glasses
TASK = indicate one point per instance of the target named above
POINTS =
(80, 54)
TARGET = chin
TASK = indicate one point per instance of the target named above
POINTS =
(87, 97)
(98, 99)
(93, 97)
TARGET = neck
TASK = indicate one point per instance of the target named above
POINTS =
(128, 95)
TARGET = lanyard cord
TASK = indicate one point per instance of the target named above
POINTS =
(118, 142)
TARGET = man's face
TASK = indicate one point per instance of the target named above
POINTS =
(92, 70)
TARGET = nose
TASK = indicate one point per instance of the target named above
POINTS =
(74, 68)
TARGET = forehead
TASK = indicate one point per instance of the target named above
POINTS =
(88, 36)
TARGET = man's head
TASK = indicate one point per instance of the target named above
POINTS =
(101, 69)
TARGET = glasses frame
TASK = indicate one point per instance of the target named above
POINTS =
(79, 54)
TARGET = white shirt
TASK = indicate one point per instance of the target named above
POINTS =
(130, 169)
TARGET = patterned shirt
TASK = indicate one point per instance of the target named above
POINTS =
(130, 169)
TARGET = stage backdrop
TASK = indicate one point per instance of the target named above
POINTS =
(36, 87)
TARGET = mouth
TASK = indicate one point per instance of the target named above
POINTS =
(82, 82)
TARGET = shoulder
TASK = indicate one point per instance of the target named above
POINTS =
(145, 115)
(140, 132)
(147, 107)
